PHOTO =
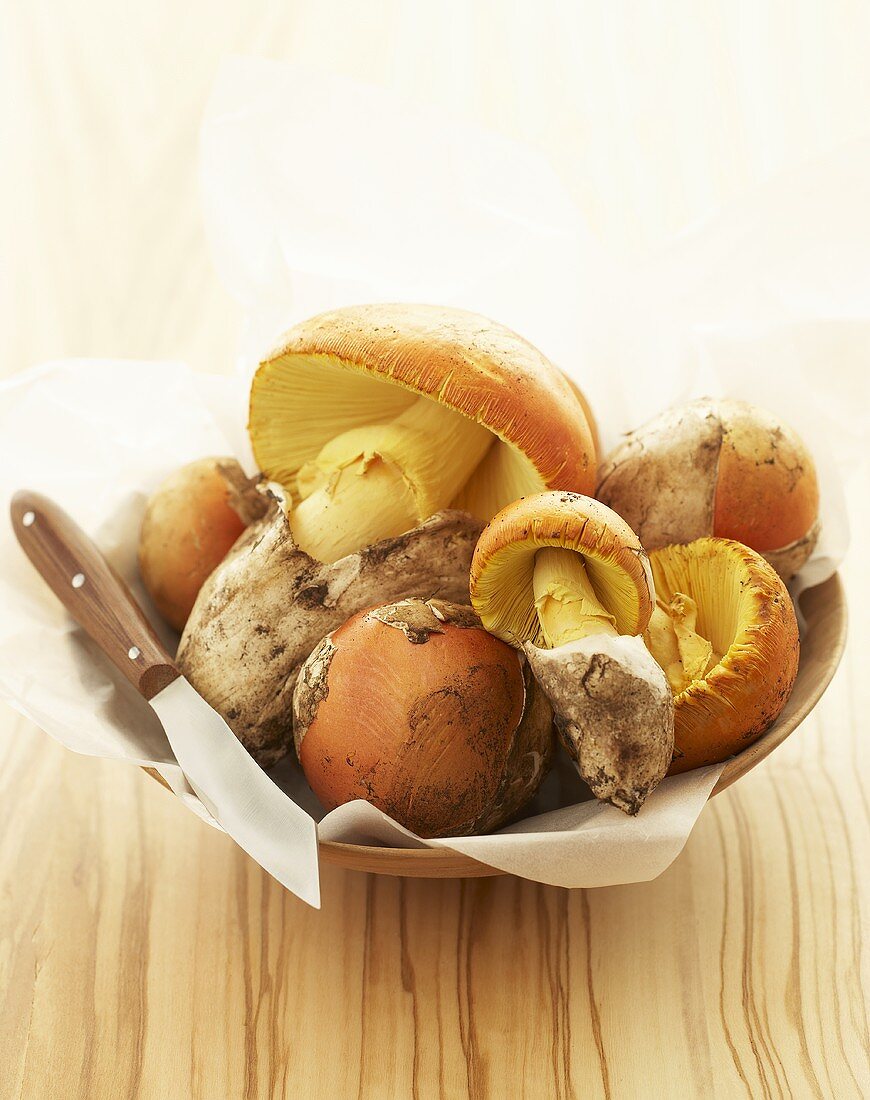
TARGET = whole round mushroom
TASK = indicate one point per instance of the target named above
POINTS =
(415, 708)
(725, 632)
(375, 417)
(190, 523)
(717, 467)
(566, 579)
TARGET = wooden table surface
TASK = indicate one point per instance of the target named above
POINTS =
(143, 954)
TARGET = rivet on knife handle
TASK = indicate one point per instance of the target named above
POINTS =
(91, 591)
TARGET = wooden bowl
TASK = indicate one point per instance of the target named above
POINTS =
(822, 644)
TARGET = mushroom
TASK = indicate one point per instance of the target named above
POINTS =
(566, 579)
(725, 632)
(375, 417)
(190, 522)
(268, 604)
(717, 467)
(415, 708)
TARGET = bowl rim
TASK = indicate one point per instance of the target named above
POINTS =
(446, 863)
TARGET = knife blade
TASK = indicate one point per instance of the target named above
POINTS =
(241, 797)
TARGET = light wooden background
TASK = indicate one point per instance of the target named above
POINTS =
(142, 954)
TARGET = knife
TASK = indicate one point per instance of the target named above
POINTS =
(256, 813)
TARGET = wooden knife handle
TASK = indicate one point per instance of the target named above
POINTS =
(92, 592)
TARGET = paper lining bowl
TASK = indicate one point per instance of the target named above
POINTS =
(822, 644)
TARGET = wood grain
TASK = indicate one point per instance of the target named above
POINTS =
(141, 953)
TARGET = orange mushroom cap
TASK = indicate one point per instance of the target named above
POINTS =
(353, 366)
(503, 565)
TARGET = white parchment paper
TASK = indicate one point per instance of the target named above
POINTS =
(770, 302)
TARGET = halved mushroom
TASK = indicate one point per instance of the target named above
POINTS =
(566, 579)
(375, 417)
(725, 632)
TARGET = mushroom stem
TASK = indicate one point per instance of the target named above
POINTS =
(673, 638)
(366, 501)
(567, 605)
(612, 706)
(379, 481)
